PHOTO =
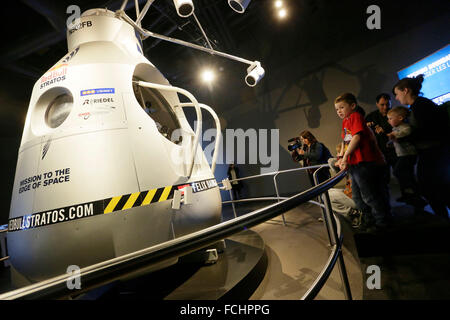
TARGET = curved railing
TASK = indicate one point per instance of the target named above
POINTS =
(218, 130)
(110, 270)
(332, 224)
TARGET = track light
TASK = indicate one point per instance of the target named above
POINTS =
(239, 5)
(254, 73)
(184, 7)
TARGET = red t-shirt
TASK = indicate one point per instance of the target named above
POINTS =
(367, 149)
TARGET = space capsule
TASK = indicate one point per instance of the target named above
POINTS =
(105, 149)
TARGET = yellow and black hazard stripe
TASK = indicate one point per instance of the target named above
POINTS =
(138, 199)
(104, 206)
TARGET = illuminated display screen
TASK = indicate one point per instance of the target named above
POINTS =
(436, 71)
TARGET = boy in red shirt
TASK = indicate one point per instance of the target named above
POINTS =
(365, 163)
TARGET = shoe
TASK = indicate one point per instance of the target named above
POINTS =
(355, 217)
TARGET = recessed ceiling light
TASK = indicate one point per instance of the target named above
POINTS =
(282, 13)
(208, 75)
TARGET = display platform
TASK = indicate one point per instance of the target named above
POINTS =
(237, 273)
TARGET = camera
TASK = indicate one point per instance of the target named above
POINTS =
(294, 144)
(254, 73)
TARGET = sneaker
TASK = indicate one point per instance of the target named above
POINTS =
(355, 217)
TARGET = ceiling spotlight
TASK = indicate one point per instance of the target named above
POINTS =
(184, 7)
(238, 5)
(282, 13)
(254, 73)
(208, 76)
(278, 4)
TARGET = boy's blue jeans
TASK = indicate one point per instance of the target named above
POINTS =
(370, 192)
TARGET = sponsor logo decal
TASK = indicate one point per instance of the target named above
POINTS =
(97, 100)
(97, 91)
(56, 74)
(84, 115)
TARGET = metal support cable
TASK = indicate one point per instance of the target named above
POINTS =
(144, 12)
(124, 4)
(136, 5)
(203, 32)
(181, 42)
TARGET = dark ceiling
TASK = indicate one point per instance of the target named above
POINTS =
(34, 31)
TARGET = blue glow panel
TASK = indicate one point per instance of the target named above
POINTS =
(436, 70)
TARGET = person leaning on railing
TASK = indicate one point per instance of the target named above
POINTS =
(366, 165)
(314, 153)
(341, 195)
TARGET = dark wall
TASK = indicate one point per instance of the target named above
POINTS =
(300, 95)
(14, 96)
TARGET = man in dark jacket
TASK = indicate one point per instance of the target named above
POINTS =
(377, 121)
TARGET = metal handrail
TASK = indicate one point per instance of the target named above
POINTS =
(336, 253)
(91, 275)
(197, 111)
(332, 225)
(218, 129)
(275, 174)
(324, 215)
(279, 172)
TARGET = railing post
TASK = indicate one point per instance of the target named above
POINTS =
(324, 216)
(232, 203)
(278, 195)
(335, 237)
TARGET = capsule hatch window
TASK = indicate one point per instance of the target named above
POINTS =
(58, 110)
(154, 104)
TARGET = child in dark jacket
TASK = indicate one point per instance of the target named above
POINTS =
(406, 156)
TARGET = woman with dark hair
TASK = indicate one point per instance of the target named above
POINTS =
(430, 137)
(314, 153)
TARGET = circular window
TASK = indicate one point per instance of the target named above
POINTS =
(58, 110)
